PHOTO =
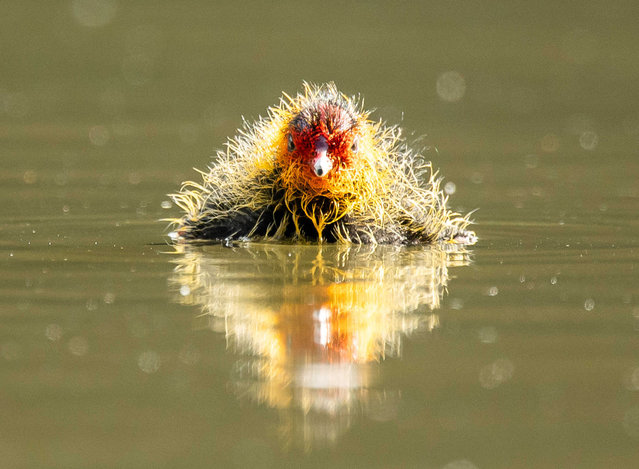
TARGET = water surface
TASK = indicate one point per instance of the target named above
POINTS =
(119, 350)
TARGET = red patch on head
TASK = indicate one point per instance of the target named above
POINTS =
(322, 125)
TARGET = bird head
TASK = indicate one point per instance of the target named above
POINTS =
(322, 140)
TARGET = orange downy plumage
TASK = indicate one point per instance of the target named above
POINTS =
(316, 168)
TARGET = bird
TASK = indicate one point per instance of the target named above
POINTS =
(317, 169)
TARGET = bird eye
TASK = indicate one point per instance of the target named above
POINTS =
(291, 144)
(355, 145)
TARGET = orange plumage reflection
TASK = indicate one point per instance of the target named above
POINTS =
(310, 322)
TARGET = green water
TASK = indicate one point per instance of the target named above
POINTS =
(117, 350)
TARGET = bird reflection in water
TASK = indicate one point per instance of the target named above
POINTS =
(312, 323)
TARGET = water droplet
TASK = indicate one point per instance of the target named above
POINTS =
(631, 380)
(531, 161)
(78, 346)
(149, 362)
(30, 177)
(94, 13)
(631, 422)
(109, 298)
(487, 335)
(10, 350)
(460, 464)
(451, 86)
(477, 178)
(450, 188)
(53, 332)
(588, 140)
(99, 135)
(580, 46)
(134, 178)
(549, 143)
(498, 372)
(189, 356)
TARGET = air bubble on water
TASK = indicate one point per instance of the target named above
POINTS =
(492, 291)
(589, 304)
(185, 290)
(165, 204)
(553, 280)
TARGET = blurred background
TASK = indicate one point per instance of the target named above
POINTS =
(152, 87)
(529, 109)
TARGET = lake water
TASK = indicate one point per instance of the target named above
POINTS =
(120, 350)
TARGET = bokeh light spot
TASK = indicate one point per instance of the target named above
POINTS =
(149, 362)
(460, 464)
(487, 335)
(450, 188)
(78, 346)
(53, 332)
(631, 422)
(496, 373)
(451, 86)
(588, 140)
(30, 177)
(94, 13)
(99, 135)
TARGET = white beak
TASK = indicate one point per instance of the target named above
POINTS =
(322, 165)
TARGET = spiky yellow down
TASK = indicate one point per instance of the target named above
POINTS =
(257, 190)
